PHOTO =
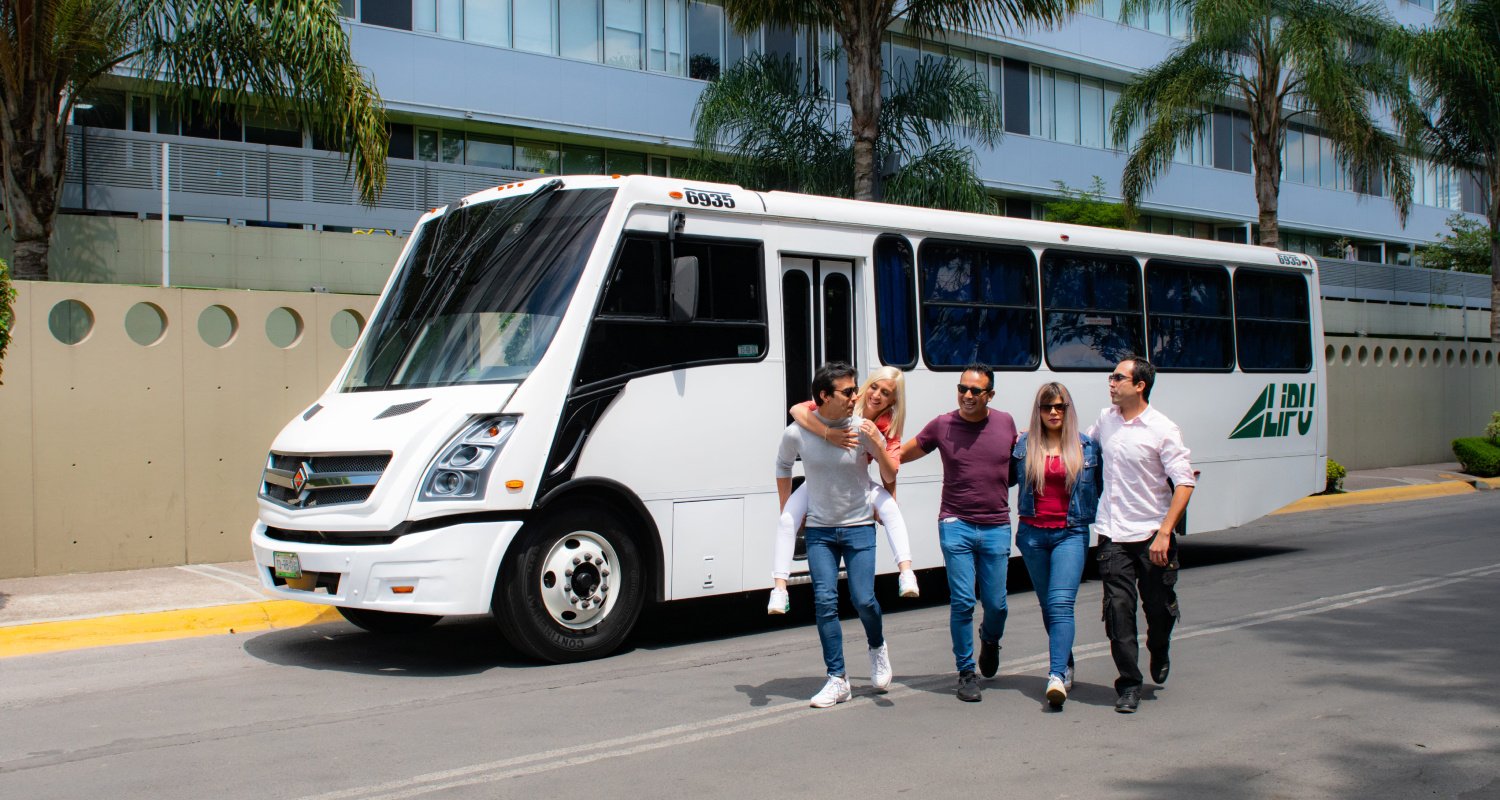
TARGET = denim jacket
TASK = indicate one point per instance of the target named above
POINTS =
(1086, 489)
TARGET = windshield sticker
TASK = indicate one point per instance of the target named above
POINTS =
(1266, 419)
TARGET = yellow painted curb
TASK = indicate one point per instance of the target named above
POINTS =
(1393, 494)
(1493, 483)
(76, 634)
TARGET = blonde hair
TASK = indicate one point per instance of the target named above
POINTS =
(1072, 446)
(897, 408)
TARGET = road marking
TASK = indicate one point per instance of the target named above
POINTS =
(691, 732)
(1393, 494)
(49, 637)
(249, 585)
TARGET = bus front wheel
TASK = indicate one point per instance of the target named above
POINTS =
(572, 589)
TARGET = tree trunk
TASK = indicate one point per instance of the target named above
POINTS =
(1266, 132)
(860, 33)
(33, 164)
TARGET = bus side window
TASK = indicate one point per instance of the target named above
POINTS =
(978, 305)
(633, 334)
(1272, 323)
(1189, 321)
(895, 301)
(1092, 305)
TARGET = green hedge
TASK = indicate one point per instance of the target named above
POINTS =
(1478, 456)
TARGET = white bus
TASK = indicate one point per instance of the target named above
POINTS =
(568, 400)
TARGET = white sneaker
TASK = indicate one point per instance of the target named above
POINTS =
(780, 603)
(1067, 679)
(880, 667)
(1057, 692)
(908, 584)
(835, 691)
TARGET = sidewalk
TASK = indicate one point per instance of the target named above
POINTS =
(66, 612)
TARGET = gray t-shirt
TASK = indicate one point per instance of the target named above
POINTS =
(839, 489)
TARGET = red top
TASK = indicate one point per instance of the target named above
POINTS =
(1052, 504)
(883, 424)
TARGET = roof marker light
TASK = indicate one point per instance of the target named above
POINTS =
(1064, 237)
(514, 484)
(403, 589)
(675, 195)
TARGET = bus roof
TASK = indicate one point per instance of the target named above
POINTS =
(705, 196)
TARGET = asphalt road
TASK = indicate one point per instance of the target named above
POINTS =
(1338, 654)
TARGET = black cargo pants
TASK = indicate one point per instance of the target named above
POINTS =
(1125, 567)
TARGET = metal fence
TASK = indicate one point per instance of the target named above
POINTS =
(1358, 280)
(120, 171)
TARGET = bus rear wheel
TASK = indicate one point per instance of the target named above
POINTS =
(388, 622)
(572, 589)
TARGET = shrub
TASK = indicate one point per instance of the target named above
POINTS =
(1491, 431)
(1336, 473)
(8, 314)
(1478, 456)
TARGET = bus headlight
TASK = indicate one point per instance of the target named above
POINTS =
(462, 469)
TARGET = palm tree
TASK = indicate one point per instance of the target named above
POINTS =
(861, 24)
(1458, 67)
(1283, 60)
(759, 126)
(291, 60)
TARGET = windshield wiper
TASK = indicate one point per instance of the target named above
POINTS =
(441, 287)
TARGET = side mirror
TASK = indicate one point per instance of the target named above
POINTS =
(684, 288)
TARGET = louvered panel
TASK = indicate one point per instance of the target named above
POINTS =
(333, 182)
(288, 177)
(403, 188)
(206, 169)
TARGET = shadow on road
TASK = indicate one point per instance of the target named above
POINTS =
(471, 645)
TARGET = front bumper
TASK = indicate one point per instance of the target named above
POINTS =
(451, 570)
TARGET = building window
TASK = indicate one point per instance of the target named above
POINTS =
(539, 157)
(1188, 316)
(386, 13)
(1271, 321)
(489, 151)
(582, 160)
(895, 301)
(578, 29)
(1066, 107)
(978, 305)
(1231, 137)
(1092, 305)
(487, 21)
(533, 25)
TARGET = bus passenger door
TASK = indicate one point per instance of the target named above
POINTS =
(817, 309)
(817, 318)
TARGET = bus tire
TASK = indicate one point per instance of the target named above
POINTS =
(388, 622)
(572, 589)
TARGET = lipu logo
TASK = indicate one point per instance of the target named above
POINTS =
(1268, 418)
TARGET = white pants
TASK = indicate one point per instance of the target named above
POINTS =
(796, 511)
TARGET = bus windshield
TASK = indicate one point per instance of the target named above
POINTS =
(482, 291)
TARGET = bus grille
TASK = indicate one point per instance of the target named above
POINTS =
(298, 481)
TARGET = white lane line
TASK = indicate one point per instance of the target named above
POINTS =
(239, 583)
(688, 733)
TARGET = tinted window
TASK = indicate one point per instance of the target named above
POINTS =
(633, 332)
(978, 304)
(1093, 309)
(895, 301)
(1189, 317)
(1273, 328)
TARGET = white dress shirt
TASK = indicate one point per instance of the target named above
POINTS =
(1139, 457)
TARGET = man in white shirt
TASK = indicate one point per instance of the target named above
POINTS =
(1147, 482)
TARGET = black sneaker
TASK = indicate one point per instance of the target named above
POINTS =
(1129, 701)
(968, 687)
(1160, 667)
(989, 658)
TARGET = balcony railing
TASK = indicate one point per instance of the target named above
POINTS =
(1357, 280)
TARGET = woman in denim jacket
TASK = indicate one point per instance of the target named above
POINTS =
(1060, 477)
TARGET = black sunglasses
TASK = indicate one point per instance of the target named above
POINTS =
(974, 390)
(849, 391)
(1045, 407)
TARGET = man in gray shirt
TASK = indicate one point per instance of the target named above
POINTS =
(840, 524)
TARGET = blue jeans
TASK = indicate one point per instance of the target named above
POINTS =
(856, 545)
(977, 556)
(1054, 559)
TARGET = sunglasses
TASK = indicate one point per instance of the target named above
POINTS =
(848, 392)
(974, 390)
(1117, 377)
(1046, 407)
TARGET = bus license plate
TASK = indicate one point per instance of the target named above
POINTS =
(287, 565)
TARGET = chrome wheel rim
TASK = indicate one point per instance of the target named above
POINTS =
(577, 580)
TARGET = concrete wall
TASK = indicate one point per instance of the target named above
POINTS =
(121, 452)
(1355, 318)
(142, 443)
(126, 250)
(1403, 401)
